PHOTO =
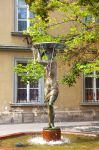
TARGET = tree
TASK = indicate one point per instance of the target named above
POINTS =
(92, 5)
(81, 51)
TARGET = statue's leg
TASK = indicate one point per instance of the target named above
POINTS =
(51, 116)
(51, 111)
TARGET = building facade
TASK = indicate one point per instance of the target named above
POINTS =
(82, 97)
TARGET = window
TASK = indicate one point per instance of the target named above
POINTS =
(31, 93)
(22, 15)
(91, 88)
(97, 20)
(88, 19)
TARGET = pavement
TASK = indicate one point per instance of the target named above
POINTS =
(7, 129)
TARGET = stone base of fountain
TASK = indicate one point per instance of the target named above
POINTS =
(51, 134)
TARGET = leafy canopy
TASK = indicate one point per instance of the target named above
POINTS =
(81, 50)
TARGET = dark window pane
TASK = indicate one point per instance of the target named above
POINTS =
(34, 84)
(97, 72)
(88, 82)
(97, 94)
(21, 95)
(22, 25)
(88, 94)
(97, 83)
(34, 94)
(20, 83)
(97, 80)
(22, 13)
(23, 63)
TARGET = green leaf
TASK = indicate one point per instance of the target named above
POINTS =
(31, 72)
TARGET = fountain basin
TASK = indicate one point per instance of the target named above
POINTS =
(69, 141)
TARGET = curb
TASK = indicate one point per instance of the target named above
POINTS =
(19, 133)
(39, 132)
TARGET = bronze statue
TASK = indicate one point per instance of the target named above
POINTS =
(51, 94)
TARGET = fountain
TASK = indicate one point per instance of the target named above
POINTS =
(42, 141)
(50, 135)
(34, 140)
(49, 49)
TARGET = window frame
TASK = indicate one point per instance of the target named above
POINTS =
(16, 6)
(40, 87)
(94, 101)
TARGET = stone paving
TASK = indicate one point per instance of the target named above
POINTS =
(88, 126)
(91, 129)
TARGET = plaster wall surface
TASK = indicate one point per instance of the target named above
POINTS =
(7, 24)
(7, 76)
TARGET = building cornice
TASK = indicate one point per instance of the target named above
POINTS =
(13, 48)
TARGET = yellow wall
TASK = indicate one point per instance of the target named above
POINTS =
(7, 76)
(61, 28)
(69, 98)
(7, 24)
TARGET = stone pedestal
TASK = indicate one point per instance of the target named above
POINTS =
(51, 134)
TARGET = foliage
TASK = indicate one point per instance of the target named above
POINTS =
(42, 7)
(38, 31)
(81, 49)
(70, 77)
(30, 72)
(92, 5)
(89, 67)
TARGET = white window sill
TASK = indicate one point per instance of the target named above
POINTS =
(26, 104)
(16, 33)
(90, 103)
